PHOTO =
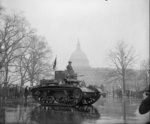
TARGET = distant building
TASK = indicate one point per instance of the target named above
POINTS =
(81, 65)
(79, 59)
(98, 76)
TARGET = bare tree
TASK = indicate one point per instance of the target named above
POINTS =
(20, 70)
(144, 72)
(14, 30)
(122, 58)
(37, 60)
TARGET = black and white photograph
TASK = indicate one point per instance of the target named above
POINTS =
(74, 62)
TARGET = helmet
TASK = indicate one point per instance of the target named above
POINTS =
(69, 62)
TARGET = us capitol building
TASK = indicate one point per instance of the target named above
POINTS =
(81, 66)
(101, 76)
(96, 76)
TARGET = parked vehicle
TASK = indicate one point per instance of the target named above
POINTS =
(145, 104)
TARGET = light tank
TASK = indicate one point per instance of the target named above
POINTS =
(65, 91)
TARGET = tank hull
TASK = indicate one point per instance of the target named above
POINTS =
(57, 95)
(63, 91)
(63, 96)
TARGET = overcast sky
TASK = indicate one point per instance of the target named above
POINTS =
(98, 24)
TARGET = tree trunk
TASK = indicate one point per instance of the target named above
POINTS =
(123, 81)
(124, 86)
(22, 82)
(31, 80)
(6, 73)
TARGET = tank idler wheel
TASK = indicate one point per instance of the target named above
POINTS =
(90, 101)
(76, 94)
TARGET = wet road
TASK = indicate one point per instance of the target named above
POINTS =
(105, 111)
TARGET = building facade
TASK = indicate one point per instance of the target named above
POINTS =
(82, 67)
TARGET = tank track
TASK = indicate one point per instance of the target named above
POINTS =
(57, 95)
(90, 98)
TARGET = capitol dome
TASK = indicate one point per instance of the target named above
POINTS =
(79, 58)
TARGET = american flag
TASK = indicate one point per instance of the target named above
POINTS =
(55, 62)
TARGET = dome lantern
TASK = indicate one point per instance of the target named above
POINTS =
(79, 58)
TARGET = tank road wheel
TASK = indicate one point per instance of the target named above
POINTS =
(43, 98)
(77, 95)
(36, 95)
(50, 99)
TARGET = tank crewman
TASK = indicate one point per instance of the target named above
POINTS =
(70, 70)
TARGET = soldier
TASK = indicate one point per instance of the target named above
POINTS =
(26, 93)
(70, 70)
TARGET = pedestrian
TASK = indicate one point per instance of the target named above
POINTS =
(26, 93)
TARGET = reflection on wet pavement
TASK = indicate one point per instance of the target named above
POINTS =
(105, 111)
(63, 115)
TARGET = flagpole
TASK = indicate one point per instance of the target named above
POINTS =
(54, 66)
